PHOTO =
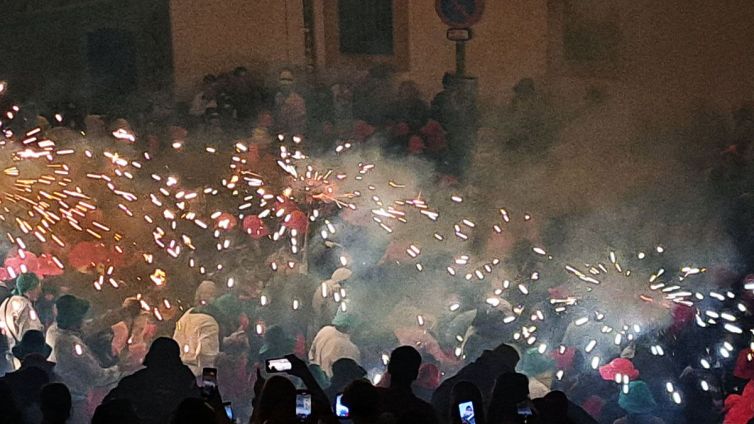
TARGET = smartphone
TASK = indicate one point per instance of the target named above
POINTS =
(209, 381)
(341, 411)
(229, 412)
(278, 365)
(466, 412)
(303, 404)
(524, 409)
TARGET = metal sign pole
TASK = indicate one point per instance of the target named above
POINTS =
(460, 59)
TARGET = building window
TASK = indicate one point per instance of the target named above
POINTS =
(366, 26)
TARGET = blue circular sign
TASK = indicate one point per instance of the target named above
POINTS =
(460, 13)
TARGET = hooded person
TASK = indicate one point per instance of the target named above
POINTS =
(333, 342)
(17, 312)
(156, 390)
(76, 364)
(197, 332)
(639, 404)
(205, 293)
(482, 373)
(323, 302)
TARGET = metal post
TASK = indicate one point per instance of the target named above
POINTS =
(460, 59)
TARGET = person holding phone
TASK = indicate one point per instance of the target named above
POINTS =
(278, 400)
(510, 401)
(467, 406)
(362, 401)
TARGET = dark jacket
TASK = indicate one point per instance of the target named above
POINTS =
(156, 391)
(26, 384)
(404, 406)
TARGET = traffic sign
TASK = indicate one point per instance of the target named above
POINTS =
(460, 13)
(459, 34)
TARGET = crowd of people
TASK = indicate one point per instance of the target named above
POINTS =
(62, 376)
(211, 366)
(217, 362)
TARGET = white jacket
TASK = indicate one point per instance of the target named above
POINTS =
(329, 345)
(198, 336)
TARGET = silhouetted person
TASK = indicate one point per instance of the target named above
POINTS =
(157, 390)
(553, 408)
(344, 371)
(119, 411)
(9, 412)
(276, 403)
(440, 104)
(363, 402)
(35, 372)
(481, 372)
(462, 394)
(399, 400)
(194, 411)
(510, 402)
(55, 403)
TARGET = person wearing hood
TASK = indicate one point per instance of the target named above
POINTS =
(333, 342)
(156, 390)
(639, 403)
(482, 373)
(323, 301)
(197, 332)
(18, 313)
(35, 372)
(76, 364)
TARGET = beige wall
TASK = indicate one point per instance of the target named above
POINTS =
(509, 43)
(673, 54)
(212, 36)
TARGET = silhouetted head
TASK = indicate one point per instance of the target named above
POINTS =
(193, 411)
(33, 342)
(362, 399)
(346, 369)
(118, 411)
(55, 403)
(504, 357)
(277, 402)
(447, 79)
(164, 352)
(404, 365)
(553, 407)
